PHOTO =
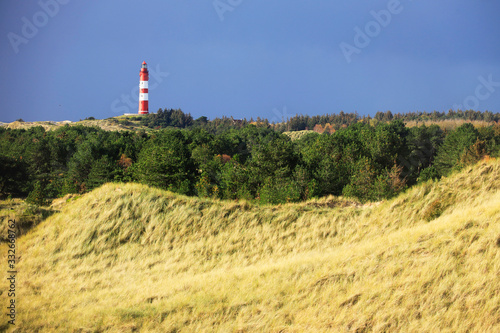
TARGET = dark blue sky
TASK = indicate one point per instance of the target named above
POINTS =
(69, 59)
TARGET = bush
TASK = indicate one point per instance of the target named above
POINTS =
(205, 189)
(434, 211)
(473, 154)
(37, 196)
(183, 187)
(279, 191)
(125, 122)
(428, 174)
(362, 181)
(31, 210)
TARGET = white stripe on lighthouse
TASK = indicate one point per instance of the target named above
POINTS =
(143, 96)
(144, 85)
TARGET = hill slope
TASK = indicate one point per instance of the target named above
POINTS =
(132, 258)
(120, 123)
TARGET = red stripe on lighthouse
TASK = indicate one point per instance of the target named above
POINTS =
(143, 93)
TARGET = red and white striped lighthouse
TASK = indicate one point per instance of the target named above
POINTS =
(143, 94)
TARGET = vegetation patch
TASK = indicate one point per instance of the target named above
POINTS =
(128, 257)
(434, 210)
(26, 215)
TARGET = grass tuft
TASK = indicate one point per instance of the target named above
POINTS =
(434, 210)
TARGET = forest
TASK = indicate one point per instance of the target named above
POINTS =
(366, 158)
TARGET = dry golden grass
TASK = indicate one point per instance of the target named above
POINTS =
(47, 125)
(120, 123)
(450, 124)
(127, 258)
(297, 135)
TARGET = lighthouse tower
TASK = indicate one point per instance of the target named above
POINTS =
(143, 93)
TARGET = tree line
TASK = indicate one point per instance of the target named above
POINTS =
(238, 160)
(165, 118)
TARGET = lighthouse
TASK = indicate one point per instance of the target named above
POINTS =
(143, 92)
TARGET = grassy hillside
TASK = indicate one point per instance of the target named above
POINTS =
(297, 135)
(129, 258)
(120, 123)
(133, 123)
(450, 124)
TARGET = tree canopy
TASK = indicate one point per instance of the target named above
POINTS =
(242, 160)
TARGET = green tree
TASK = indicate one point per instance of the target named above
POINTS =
(14, 176)
(165, 162)
(279, 190)
(423, 143)
(386, 142)
(273, 157)
(234, 181)
(101, 172)
(362, 181)
(324, 160)
(455, 144)
(79, 167)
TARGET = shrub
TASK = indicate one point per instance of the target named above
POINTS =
(31, 210)
(428, 174)
(37, 196)
(205, 189)
(434, 211)
(362, 181)
(277, 191)
(473, 154)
